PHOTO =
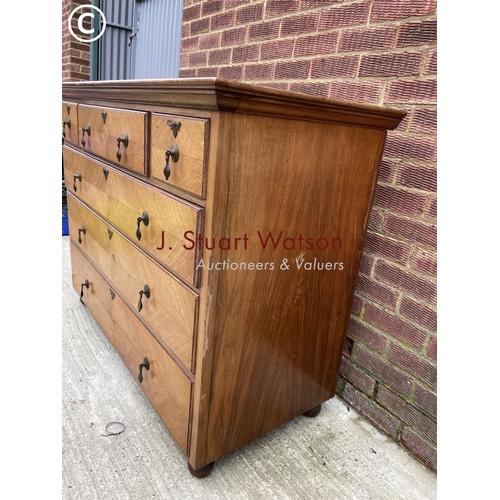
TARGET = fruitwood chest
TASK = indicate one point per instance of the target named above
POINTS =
(216, 232)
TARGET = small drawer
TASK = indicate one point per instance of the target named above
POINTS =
(114, 134)
(164, 384)
(70, 122)
(179, 151)
(165, 304)
(155, 220)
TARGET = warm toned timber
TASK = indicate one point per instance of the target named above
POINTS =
(273, 190)
(70, 122)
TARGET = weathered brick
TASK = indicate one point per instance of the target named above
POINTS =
(394, 250)
(231, 72)
(420, 448)
(357, 305)
(198, 58)
(357, 377)
(259, 71)
(432, 348)
(376, 291)
(246, 53)
(417, 33)
(423, 148)
(396, 64)
(419, 313)
(184, 61)
(413, 364)
(207, 72)
(210, 41)
(219, 56)
(190, 13)
(344, 15)
(264, 31)
(229, 4)
(275, 85)
(431, 209)
(426, 399)
(366, 264)
(381, 418)
(411, 91)
(418, 177)
(335, 66)
(359, 331)
(395, 326)
(407, 202)
(390, 10)
(212, 7)
(431, 63)
(296, 25)
(222, 21)
(357, 91)
(387, 172)
(424, 261)
(411, 229)
(376, 219)
(407, 413)
(383, 371)
(313, 4)
(378, 38)
(320, 89)
(406, 281)
(279, 49)
(201, 26)
(315, 44)
(234, 36)
(292, 69)
(424, 120)
(187, 73)
(250, 14)
(190, 44)
(185, 31)
(279, 7)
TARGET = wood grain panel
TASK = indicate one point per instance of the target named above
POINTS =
(104, 133)
(70, 122)
(189, 172)
(168, 390)
(121, 199)
(171, 309)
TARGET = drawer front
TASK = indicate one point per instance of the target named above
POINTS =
(170, 309)
(70, 122)
(190, 136)
(166, 387)
(114, 134)
(122, 200)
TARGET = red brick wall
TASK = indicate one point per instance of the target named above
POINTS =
(75, 54)
(381, 52)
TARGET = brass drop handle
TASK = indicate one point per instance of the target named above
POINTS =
(85, 129)
(121, 140)
(147, 292)
(81, 230)
(173, 153)
(144, 218)
(144, 364)
(76, 177)
(64, 123)
(85, 284)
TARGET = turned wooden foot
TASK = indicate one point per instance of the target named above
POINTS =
(202, 471)
(313, 412)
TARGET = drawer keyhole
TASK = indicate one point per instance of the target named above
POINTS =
(144, 364)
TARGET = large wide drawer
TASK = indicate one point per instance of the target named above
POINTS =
(168, 307)
(183, 141)
(70, 122)
(166, 387)
(115, 134)
(161, 224)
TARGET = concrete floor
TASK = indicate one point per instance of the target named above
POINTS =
(337, 455)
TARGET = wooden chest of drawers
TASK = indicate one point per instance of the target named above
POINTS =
(216, 232)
